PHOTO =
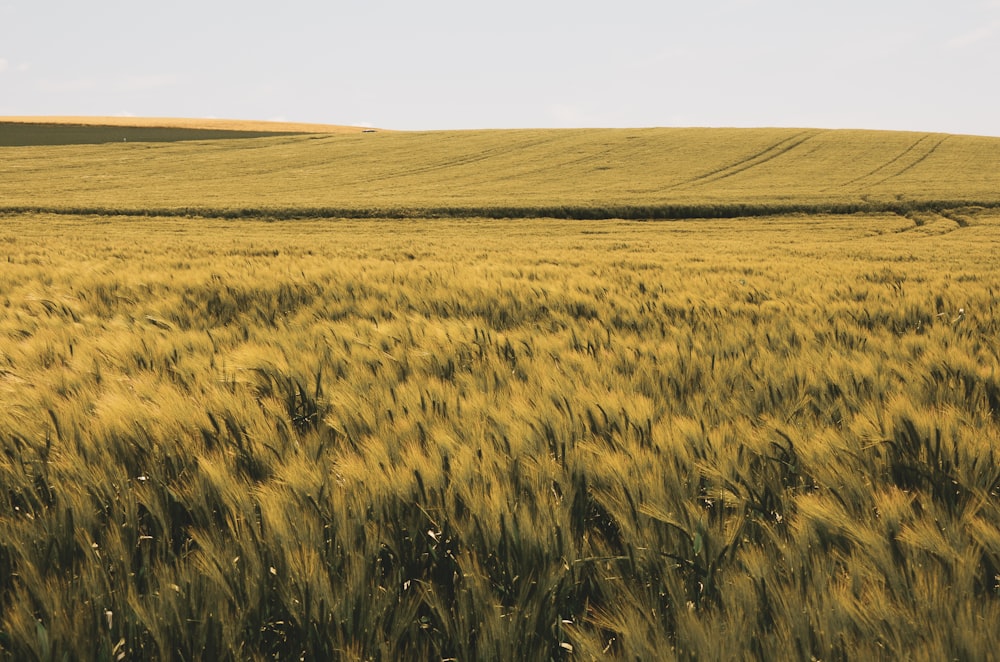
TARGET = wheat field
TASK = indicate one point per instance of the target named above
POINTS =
(586, 173)
(236, 437)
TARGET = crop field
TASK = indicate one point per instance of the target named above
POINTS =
(586, 173)
(236, 425)
(62, 131)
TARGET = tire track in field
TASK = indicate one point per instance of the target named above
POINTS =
(770, 153)
(471, 158)
(523, 173)
(465, 159)
(931, 223)
(917, 162)
(901, 157)
(888, 163)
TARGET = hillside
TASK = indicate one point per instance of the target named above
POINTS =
(205, 124)
(64, 130)
(667, 172)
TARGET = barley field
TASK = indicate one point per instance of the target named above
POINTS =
(437, 436)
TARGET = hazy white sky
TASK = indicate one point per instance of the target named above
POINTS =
(437, 64)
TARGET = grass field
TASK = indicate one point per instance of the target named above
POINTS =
(477, 438)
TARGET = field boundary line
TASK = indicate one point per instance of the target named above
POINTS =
(565, 212)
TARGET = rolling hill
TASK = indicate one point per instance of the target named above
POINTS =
(250, 169)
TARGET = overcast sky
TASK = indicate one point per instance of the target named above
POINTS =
(453, 64)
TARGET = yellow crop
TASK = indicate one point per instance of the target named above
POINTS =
(770, 437)
(603, 173)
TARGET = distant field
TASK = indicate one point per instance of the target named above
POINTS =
(443, 436)
(37, 131)
(570, 173)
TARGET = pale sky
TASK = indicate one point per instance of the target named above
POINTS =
(447, 64)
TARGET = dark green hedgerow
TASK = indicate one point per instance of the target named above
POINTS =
(643, 212)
